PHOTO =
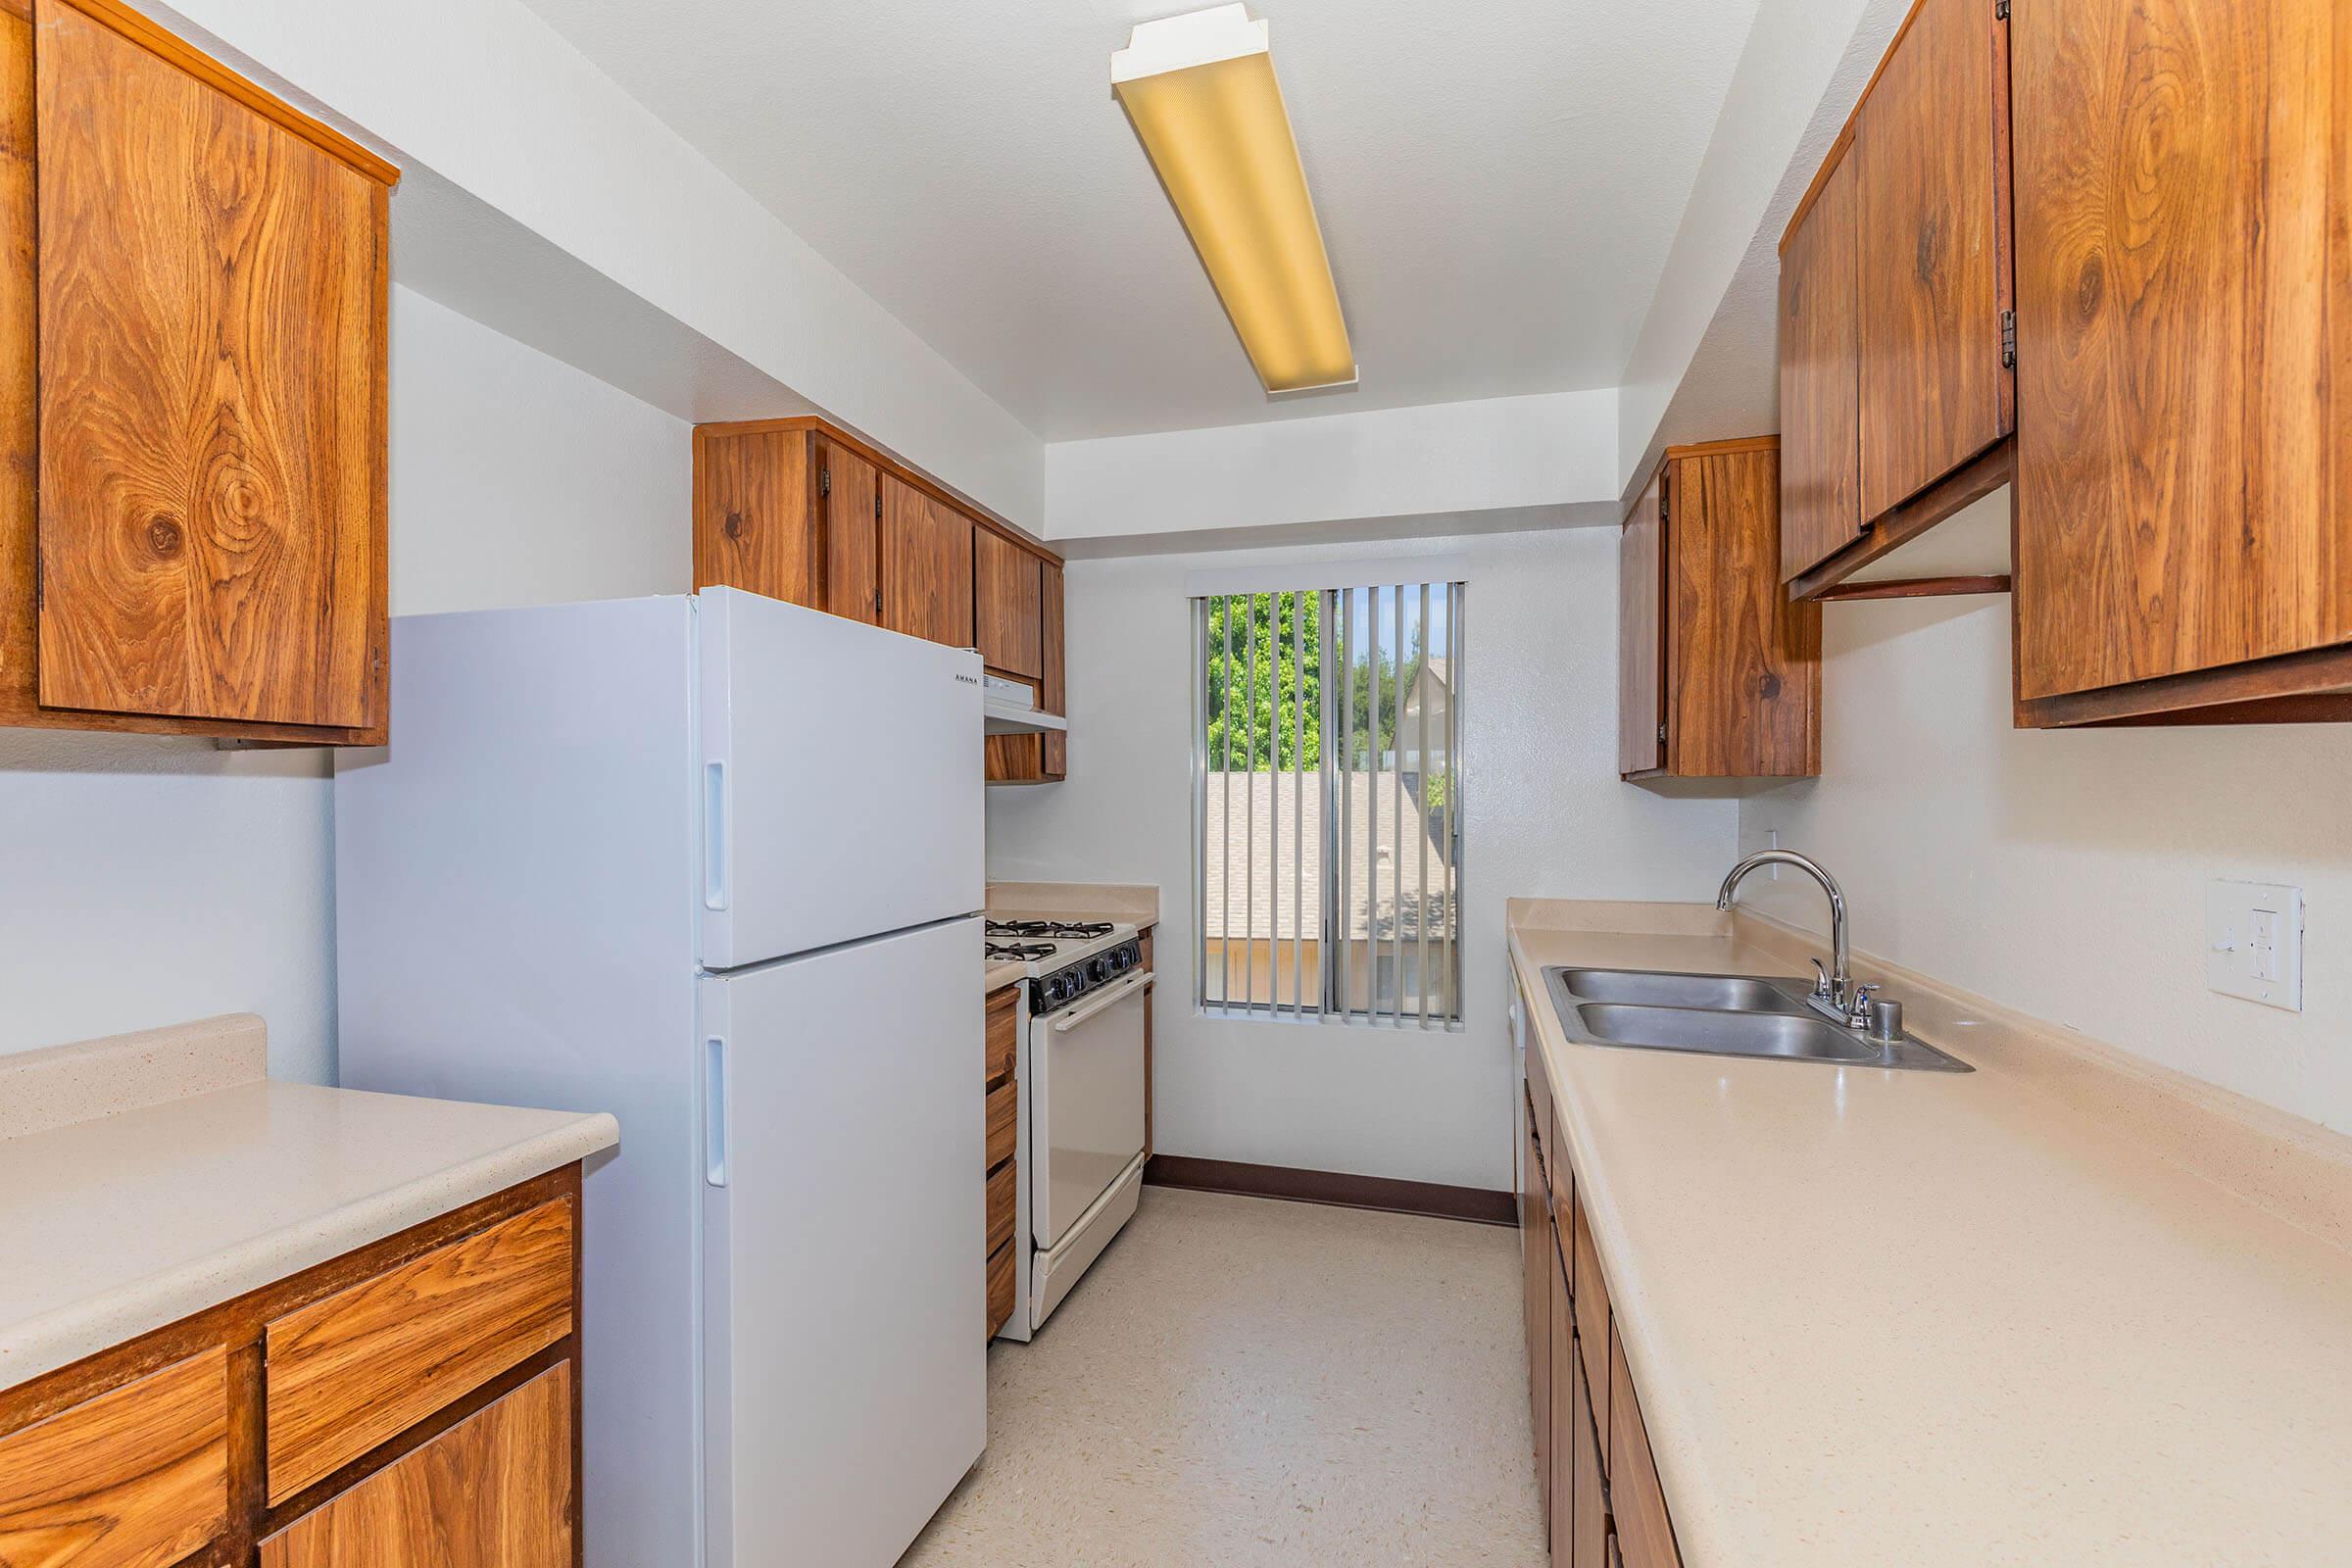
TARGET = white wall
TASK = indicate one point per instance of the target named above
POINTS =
(517, 481)
(2062, 873)
(1546, 817)
(492, 100)
(1492, 455)
(147, 881)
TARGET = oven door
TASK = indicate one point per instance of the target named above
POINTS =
(1086, 1102)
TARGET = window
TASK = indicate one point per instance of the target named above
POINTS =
(1326, 803)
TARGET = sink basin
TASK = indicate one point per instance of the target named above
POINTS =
(1723, 1034)
(1738, 992)
(1722, 1015)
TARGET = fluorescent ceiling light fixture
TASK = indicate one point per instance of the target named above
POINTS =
(1200, 90)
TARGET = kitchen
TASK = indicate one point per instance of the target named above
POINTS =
(1376, 706)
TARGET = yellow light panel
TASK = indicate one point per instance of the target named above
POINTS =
(1220, 138)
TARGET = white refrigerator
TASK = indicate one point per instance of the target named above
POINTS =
(713, 864)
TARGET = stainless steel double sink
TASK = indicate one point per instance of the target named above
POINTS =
(1723, 1015)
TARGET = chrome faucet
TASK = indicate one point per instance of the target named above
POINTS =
(1833, 991)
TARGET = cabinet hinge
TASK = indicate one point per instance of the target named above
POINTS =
(2008, 340)
(1661, 734)
(877, 603)
(877, 506)
(824, 481)
(2000, 10)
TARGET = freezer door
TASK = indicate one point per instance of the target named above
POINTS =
(845, 1364)
(840, 780)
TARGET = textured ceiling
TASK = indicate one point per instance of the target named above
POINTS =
(1498, 181)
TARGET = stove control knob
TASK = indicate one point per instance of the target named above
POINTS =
(1100, 969)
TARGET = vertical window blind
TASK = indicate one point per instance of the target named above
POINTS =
(1327, 803)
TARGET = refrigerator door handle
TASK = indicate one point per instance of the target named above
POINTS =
(715, 835)
(714, 1111)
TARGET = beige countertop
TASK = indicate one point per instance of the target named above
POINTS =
(120, 1213)
(2063, 1309)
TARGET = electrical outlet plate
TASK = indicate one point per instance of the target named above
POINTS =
(2254, 942)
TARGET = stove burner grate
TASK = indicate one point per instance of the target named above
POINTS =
(1020, 951)
(1059, 930)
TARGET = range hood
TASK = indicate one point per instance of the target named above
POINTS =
(1019, 718)
(1011, 708)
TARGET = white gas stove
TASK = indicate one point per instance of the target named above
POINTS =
(1080, 1146)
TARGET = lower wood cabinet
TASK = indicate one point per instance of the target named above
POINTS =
(1559, 1476)
(1002, 1058)
(1603, 1505)
(1535, 1244)
(136, 1475)
(1589, 1535)
(416, 1402)
(492, 1491)
(1719, 673)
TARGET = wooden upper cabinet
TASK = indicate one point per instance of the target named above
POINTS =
(926, 566)
(2183, 524)
(1898, 397)
(1056, 696)
(850, 492)
(755, 510)
(195, 352)
(1821, 421)
(1709, 642)
(1641, 635)
(1009, 606)
(1933, 266)
(800, 510)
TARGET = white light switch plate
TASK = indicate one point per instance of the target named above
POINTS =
(2254, 942)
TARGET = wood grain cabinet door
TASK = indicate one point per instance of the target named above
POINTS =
(1009, 605)
(1562, 1480)
(1743, 663)
(1934, 267)
(1641, 635)
(1821, 418)
(213, 300)
(1589, 1530)
(754, 523)
(135, 1478)
(1637, 1501)
(851, 491)
(2183, 297)
(495, 1490)
(926, 566)
(357, 1367)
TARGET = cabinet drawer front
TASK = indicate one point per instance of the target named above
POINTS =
(999, 1288)
(493, 1492)
(1003, 1033)
(364, 1364)
(135, 1478)
(1003, 1114)
(1001, 1205)
(1592, 1316)
(1642, 1528)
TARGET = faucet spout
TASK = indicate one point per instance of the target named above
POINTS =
(1842, 977)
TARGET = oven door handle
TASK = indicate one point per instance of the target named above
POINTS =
(1103, 1004)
